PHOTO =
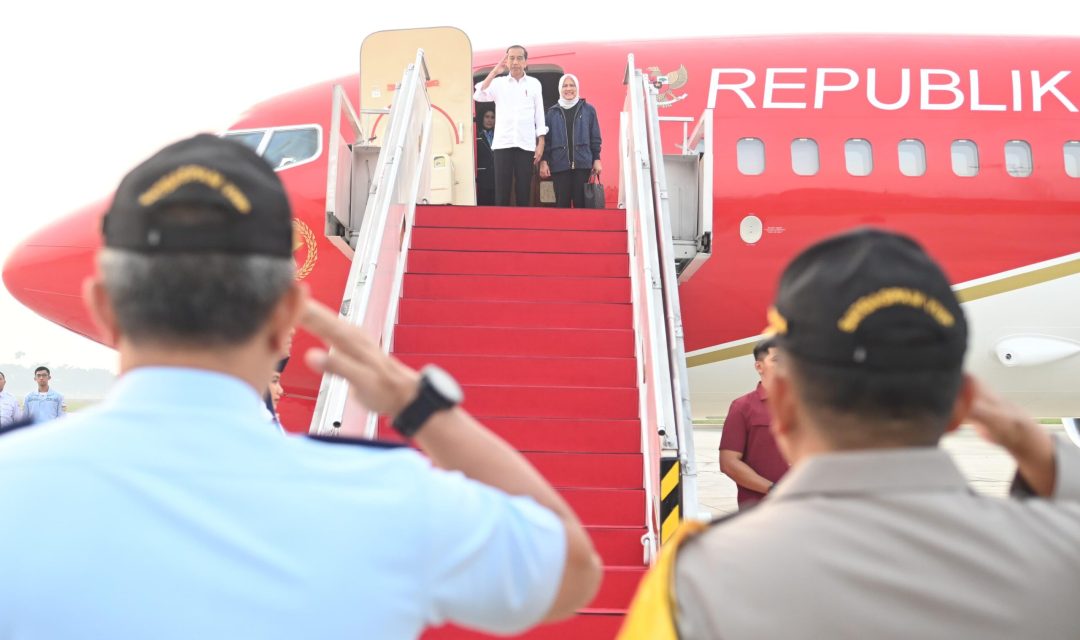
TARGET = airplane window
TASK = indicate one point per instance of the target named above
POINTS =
(289, 147)
(965, 158)
(804, 157)
(912, 157)
(247, 138)
(751, 156)
(1018, 158)
(1072, 158)
(859, 157)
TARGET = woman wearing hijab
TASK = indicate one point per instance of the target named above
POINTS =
(572, 148)
(485, 157)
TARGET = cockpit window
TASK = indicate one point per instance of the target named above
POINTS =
(291, 146)
(247, 138)
(282, 147)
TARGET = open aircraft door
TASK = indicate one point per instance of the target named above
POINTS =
(448, 53)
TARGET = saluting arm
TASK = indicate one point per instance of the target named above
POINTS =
(1004, 424)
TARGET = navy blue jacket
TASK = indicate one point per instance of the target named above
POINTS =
(586, 139)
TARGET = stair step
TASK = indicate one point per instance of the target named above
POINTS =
(595, 470)
(618, 588)
(513, 341)
(604, 403)
(536, 241)
(568, 315)
(583, 626)
(557, 434)
(608, 507)
(596, 506)
(602, 265)
(569, 435)
(521, 288)
(532, 370)
(618, 545)
(521, 218)
(578, 471)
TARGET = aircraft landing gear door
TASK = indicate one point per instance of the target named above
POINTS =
(448, 53)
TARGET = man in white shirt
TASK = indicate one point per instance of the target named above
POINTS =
(9, 405)
(519, 125)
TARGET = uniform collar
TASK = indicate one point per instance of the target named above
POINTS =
(179, 387)
(524, 77)
(916, 469)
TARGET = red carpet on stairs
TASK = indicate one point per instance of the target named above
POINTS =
(530, 310)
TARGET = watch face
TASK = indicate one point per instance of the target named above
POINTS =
(444, 384)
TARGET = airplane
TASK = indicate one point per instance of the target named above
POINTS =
(969, 144)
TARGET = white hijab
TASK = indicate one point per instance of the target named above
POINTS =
(569, 104)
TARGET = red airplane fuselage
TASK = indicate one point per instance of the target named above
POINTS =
(861, 105)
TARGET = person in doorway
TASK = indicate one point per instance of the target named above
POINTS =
(518, 141)
(748, 452)
(572, 150)
(485, 158)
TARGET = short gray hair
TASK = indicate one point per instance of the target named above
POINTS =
(202, 300)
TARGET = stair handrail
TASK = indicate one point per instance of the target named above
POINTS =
(672, 315)
(653, 376)
(371, 292)
(664, 405)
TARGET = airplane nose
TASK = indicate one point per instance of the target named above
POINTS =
(46, 272)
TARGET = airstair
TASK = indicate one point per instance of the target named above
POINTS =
(562, 325)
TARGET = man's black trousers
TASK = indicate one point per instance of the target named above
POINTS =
(513, 166)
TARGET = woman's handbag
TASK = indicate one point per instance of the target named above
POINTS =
(594, 193)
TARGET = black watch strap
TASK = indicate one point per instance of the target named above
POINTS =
(437, 391)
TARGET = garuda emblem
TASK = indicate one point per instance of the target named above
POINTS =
(667, 84)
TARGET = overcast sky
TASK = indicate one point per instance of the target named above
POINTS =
(91, 88)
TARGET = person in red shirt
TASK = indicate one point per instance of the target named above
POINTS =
(748, 452)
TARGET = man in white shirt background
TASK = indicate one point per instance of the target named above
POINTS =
(519, 125)
(9, 405)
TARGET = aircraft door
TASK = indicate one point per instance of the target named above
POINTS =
(448, 53)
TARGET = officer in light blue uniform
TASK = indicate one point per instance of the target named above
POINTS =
(170, 510)
(45, 403)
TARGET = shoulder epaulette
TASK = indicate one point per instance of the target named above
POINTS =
(15, 426)
(358, 442)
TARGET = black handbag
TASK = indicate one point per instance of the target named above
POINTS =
(594, 193)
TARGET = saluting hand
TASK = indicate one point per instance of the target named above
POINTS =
(378, 381)
(501, 67)
(1005, 425)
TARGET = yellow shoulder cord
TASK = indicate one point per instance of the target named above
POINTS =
(653, 610)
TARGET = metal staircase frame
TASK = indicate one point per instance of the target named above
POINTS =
(666, 424)
(399, 181)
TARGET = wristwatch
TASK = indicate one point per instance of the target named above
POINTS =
(438, 391)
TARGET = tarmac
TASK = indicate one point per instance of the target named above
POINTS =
(988, 468)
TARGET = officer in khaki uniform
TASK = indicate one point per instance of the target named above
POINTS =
(874, 532)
